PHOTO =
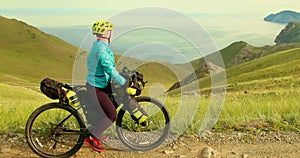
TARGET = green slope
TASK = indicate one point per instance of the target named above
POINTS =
(16, 104)
(275, 66)
(278, 70)
(28, 54)
(240, 52)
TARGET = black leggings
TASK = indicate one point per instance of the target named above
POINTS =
(104, 110)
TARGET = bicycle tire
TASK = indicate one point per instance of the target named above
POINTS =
(37, 136)
(144, 144)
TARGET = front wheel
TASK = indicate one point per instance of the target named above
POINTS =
(55, 130)
(142, 138)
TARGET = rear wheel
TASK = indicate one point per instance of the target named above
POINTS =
(55, 130)
(141, 138)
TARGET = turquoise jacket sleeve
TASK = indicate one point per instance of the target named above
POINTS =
(107, 61)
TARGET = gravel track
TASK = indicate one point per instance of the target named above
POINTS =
(264, 144)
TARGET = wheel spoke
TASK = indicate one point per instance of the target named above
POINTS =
(138, 137)
(55, 130)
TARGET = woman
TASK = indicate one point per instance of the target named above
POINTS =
(101, 69)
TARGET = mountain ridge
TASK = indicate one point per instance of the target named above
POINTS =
(290, 34)
(202, 72)
(240, 52)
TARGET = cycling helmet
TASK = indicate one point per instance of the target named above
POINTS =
(102, 26)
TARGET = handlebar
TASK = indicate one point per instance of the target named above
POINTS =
(129, 73)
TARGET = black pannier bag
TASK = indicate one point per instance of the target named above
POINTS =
(137, 82)
(53, 89)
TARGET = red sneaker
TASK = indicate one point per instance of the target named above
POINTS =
(94, 143)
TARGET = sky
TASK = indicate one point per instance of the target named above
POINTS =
(42, 13)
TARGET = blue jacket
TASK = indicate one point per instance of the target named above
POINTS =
(101, 66)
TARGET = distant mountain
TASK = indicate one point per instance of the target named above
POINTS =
(201, 72)
(290, 34)
(284, 17)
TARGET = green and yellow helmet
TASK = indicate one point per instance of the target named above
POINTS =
(102, 26)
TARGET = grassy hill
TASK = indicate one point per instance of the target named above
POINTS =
(15, 109)
(236, 54)
(279, 70)
(240, 52)
(28, 54)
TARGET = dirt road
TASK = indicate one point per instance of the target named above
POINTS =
(221, 145)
